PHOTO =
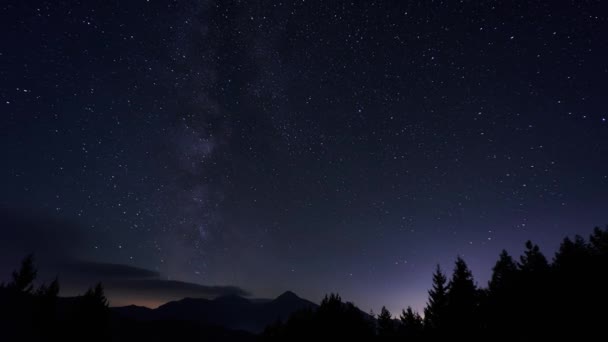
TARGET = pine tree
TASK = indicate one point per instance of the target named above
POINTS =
(533, 261)
(410, 318)
(435, 311)
(462, 299)
(332, 300)
(53, 289)
(47, 294)
(503, 274)
(95, 297)
(598, 242)
(385, 323)
(94, 314)
(572, 255)
(598, 282)
(94, 304)
(46, 310)
(500, 309)
(24, 278)
(411, 324)
(534, 292)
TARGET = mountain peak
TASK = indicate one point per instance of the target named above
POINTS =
(288, 295)
(230, 312)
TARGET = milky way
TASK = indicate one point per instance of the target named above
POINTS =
(307, 146)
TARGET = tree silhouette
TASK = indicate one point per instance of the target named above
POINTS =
(500, 309)
(31, 312)
(45, 314)
(573, 270)
(571, 254)
(597, 280)
(24, 278)
(529, 300)
(333, 319)
(411, 324)
(598, 242)
(533, 290)
(503, 274)
(386, 326)
(94, 301)
(50, 291)
(93, 313)
(436, 309)
(533, 261)
(462, 300)
(524, 301)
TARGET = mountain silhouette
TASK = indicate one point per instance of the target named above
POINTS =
(231, 312)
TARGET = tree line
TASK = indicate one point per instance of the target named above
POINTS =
(529, 299)
(36, 314)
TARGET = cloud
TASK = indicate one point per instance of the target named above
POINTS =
(56, 245)
(185, 289)
(127, 285)
(155, 292)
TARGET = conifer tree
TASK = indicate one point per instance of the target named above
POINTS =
(534, 292)
(503, 274)
(500, 310)
(598, 242)
(385, 323)
(24, 278)
(411, 324)
(462, 299)
(533, 261)
(435, 311)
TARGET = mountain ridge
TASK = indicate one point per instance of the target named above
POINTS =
(231, 311)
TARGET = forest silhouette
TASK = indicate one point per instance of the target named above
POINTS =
(526, 299)
(529, 299)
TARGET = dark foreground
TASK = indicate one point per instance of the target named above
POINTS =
(530, 299)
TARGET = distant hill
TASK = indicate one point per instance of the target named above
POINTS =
(231, 312)
(128, 323)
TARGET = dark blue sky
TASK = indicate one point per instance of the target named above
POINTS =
(299, 145)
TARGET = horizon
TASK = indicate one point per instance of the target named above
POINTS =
(212, 148)
(129, 299)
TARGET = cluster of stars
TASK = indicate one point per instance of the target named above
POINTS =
(227, 143)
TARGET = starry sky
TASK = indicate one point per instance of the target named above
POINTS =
(203, 148)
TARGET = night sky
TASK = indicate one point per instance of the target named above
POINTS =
(174, 148)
